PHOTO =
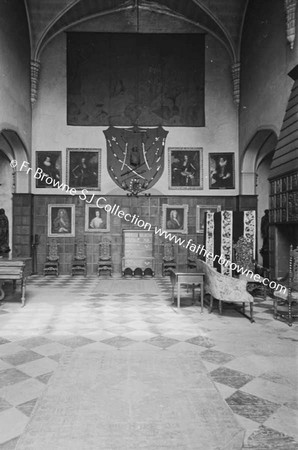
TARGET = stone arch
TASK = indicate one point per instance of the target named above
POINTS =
(255, 170)
(261, 145)
(12, 180)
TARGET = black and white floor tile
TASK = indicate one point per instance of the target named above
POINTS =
(254, 366)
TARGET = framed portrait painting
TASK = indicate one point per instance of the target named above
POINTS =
(200, 215)
(97, 220)
(175, 218)
(221, 171)
(185, 168)
(83, 168)
(50, 164)
(61, 220)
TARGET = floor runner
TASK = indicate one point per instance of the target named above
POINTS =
(123, 400)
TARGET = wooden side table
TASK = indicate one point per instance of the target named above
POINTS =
(15, 269)
(191, 279)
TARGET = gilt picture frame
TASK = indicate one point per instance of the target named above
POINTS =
(185, 168)
(83, 168)
(97, 219)
(49, 162)
(61, 220)
(175, 218)
(221, 171)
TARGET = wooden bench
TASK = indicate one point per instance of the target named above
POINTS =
(15, 269)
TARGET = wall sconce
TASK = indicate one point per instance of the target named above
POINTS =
(290, 7)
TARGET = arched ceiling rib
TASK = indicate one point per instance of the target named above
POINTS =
(221, 18)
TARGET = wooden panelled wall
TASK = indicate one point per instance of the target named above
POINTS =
(32, 213)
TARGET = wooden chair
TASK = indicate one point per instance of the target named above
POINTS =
(79, 263)
(105, 258)
(168, 260)
(285, 300)
(51, 266)
(191, 260)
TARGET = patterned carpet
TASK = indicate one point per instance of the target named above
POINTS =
(131, 400)
(254, 366)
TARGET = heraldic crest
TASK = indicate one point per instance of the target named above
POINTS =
(135, 156)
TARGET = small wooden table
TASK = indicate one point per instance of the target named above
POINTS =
(192, 279)
(14, 269)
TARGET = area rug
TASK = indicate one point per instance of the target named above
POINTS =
(123, 286)
(124, 400)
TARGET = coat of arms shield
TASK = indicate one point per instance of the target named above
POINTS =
(135, 156)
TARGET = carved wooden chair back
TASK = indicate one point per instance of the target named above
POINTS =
(105, 250)
(53, 250)
(80, 252)
(169, 254)
(293, 270)
(243, 251)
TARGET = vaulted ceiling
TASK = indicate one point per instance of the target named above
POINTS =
(221, 18)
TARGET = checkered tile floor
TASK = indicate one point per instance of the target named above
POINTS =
(254, 366)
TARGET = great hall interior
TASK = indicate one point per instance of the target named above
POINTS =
(148, 162)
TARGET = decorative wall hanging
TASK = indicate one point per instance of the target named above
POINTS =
(185, 168)
(61, 220)
(135, 156)
(175, 218)
(221, 171)
(127, 79)
(50, 164)
(83, 168)
(222, 231)
(97, 220)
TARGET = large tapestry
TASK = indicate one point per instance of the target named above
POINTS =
(128, 79)
(223, 229)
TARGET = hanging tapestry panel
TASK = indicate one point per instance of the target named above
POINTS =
(222, 231)
(125, 79)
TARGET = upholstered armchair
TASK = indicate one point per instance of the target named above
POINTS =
(225, 289)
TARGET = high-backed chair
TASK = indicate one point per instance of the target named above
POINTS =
(79, 263)
(244, 258)
(105, 258)
(51, 266)
(243, 250)
(225, 289)
(285, 297)
(191, 260)
(168, 260)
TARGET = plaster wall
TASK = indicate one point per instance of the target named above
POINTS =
(266, 59)
(51, 133)
(15, 108)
